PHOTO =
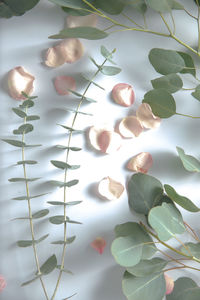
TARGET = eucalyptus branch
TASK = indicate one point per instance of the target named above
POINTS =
(189, 14)
(192, 232)
(131, 20)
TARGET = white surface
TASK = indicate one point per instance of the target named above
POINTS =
(23, 41)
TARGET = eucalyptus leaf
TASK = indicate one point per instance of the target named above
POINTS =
(70, 203)
(144, 192)
(40, 214)
(74, 222)
(172, 83)
(30, 281)
(110, 71)
(196, 93)
(71, 129)
(89, 33)
(68, 148)
(64, 270)
(68, 241)
(148, 267)
(21, 179)
(180, 200)
(166, 61)
(33, 146)
(161, 6)
(144, 288)
(19, 112)
(30, 197)
(113, 7)
(23, 129)
(192, 249)
(57, 220)
(64, 166)
(27, 104)
(139, 5)
(5, 11)
(162, 103)
(166, 220)
(49, 265)
(32, 118)
(75, 12)
(27, 162)
(184, 289)
(24, 244)
(189, 63)
(62, 184)
(190, 163)
(75, 4)
(108, 55)
(78, 112)
(14, 142)
(21, 6)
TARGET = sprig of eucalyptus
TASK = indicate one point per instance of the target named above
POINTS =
(65, 165)
(10, 8)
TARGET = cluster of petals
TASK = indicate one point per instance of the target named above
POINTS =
(63, 84)
(2, 283)
(99, 244)
(79, 21)
(169, 284)
(141, 162)
(19, 80)
(110, 189)
(104, 139)
(67, 51)
(123, 94)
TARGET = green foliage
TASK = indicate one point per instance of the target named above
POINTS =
(139, 5)
(144, 288)
(172, 83)
(112, 7)
(191, 249)
(166, 61)
(62, 184)
(190, 163)
(148, 267)
(180, 200)
(144, 192)
(40, 214)
(196, 93)
(184, 289)
(9, 8)
(162, 103)
(110, 71)
(189, 63)
(74, 4)
(49, 265)
(62, 203)
(107, 54)
(89, 33)
(23, 129)
(164, 6)
(68, 241)
(64, 166)
(28, 243)
(166, 220)
(15, 143)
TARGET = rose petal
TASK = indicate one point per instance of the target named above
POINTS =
(78, 21)
(146, 116)
(110, 189)
(55, 56)
(140, 162)
(19, 80)
(63, 83)
(99, 244)
(73, 50)
(104, 140)
(123, 94)
(2, 283)
(130, 127)
(169, 284)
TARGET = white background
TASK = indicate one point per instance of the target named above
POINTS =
(23, 41)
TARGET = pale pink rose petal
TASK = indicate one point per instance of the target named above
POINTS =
(99, 244)
(169, 284)
(73, 50)
(146, 116)
(130, 127)
(141, 162)
(110, 189)
(2, 283)
(63, 83)
(55, 56)
(78, 21)
(19, 80)
(123, 94)
(104, 139)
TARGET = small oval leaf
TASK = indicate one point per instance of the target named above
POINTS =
(89, 33)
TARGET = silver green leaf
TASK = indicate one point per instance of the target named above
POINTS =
(70, 203)
(89, 33)
(23, 129)
(14, 142)
(32, 118)
(19, 179)
(189, 63)
(40, 214)
(148, 267)
(58, 220)
(190, 163)
(27, 162)
(19, 112)
(107, 54)
(185, 289)
(63, 165)
(171, 82)
(191, 249)
(49, 265)
(110, 71)
(196, 93)
(68, 241)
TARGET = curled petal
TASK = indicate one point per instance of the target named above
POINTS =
(78, 21)
(19, 80)
(104, 140)
(140, 162)
(123, 94)
(146, 116)
(2, 283)
(63, 83)
(110, 189)
(55, 57)
(73, 50)
(169, 284)
(130, 127)
(99, 244)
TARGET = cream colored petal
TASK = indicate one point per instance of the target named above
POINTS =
(63, 83)
(130, 127)
(78, 21)
(169, 284)
(110, 189)
(146, 116)
(19, 80)
(123, 94)
(73, 50)
(99, 244)
(55, 56)
(141, 162)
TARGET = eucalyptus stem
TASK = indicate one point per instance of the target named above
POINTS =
(65, 176)
(184, 115)
(30, 216)
(182, 267)
(189, 14)
(131, 20)
(192, 232)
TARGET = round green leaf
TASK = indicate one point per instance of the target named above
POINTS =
(171, 82)
(162, 103)
(189, 63)
(89, 33)
(166, 61)
(144, 192)
(75, 12)
(20, 6)
(144, 288)
(166, 220)
(113, 7)
(185, 289)
(190, 163)
(148, 267)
